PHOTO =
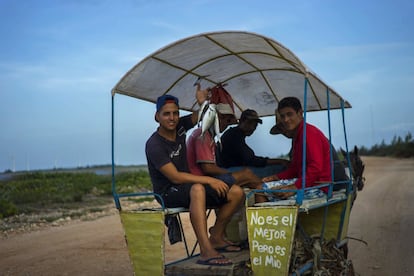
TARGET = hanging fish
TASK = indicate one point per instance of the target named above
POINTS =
(208, 118)
(204, 105)
(217, 129)
(202, 111)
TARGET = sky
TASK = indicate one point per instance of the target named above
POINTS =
(60, 59)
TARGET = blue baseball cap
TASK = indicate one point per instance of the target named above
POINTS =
(162, 100)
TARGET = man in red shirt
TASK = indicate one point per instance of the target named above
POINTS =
(318, 161)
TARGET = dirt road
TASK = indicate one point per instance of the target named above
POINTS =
(382, 216)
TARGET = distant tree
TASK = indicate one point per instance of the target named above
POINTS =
(363, 150)
(399, 147)
(394, 140)
(408, 137)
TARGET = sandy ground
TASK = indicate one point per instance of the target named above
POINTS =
(382, 216)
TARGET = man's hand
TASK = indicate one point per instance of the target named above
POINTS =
(270, 178)
(201, 95)
(285, 195)
(219, 186)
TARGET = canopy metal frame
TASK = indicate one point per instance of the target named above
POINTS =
(258, 71)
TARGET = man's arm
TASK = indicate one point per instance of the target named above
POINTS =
(278, 161)
(201, 96)
(177, 177)
(238, 152)
(212, 169)
(285, 195)
(247, 154)
(315, 159)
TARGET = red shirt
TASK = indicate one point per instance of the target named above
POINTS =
(200, 150)
(318, 159)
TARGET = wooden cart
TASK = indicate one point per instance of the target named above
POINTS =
(258, 72)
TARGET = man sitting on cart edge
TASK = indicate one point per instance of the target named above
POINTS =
(339, 168)
(167, 164)
(318, 160)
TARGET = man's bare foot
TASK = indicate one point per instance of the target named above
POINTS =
(221, 244)
(228, 242)
(228, 248)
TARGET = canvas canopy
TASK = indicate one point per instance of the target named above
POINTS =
(256, 70)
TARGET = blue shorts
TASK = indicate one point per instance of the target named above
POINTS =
(226, 178)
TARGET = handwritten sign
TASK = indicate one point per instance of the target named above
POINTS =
(271, 231)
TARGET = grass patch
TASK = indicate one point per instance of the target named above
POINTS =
(34, 191)
(141, 199)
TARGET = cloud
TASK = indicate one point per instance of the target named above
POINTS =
(15, 70)
(346, 52)
(66, 74)
(359, 80)
(400, 127)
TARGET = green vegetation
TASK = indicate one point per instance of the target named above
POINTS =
(27, 191)
(399, 147)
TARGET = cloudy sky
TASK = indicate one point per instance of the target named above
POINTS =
(60, 59)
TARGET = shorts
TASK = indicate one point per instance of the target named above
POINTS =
(226, 178)
(179, 196)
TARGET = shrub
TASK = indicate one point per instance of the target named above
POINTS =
(7, 209)
(45, 188)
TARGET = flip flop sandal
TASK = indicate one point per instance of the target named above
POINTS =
(226, 248)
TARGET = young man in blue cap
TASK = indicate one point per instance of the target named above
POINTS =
(167, 165)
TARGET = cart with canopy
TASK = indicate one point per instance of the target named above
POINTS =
(258, 72)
